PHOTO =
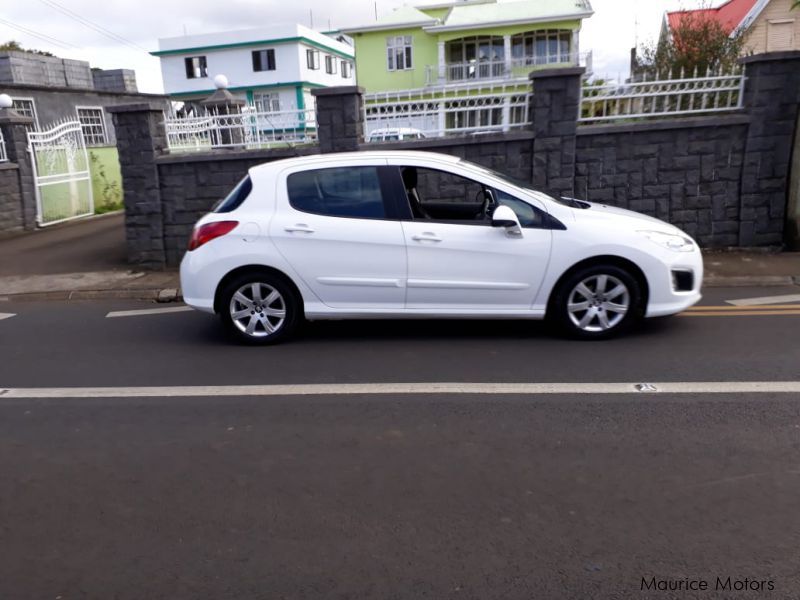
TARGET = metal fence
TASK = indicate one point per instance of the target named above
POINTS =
(3, 155)
(248, 129)
(446, 111)
(682, 95)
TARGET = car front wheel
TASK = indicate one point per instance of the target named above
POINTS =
(259, 308)
(597, 302)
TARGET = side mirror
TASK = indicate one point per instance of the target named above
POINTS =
(503, 216)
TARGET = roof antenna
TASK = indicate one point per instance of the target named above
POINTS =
(376, 10)
(311, 18)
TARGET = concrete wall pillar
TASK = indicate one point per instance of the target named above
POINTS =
(772, 100)
(141, 137)
(553, 113)
(340, 118)
(13, 126)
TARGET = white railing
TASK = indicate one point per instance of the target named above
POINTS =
(248, 129)
(513, 68)
(3, 155)
(681, 95)
(437, 113)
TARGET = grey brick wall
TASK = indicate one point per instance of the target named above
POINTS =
(340, 118)
(10, 199)
(15, 135)
(684, 171)
(772, 99)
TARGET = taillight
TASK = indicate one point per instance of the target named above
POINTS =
(209, 231)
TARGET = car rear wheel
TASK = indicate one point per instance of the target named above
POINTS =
(597, 302)
(259, 308)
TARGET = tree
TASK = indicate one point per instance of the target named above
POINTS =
(698, 43)
(15, 46)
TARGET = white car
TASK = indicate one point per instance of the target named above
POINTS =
(395, 134)
(415, 234)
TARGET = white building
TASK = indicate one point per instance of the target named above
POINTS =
(272, 68)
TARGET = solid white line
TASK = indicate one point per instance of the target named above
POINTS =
(325, 389)
(766, 300)
(147, 311)
(6, 315)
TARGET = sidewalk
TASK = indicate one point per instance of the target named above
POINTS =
(86, 260)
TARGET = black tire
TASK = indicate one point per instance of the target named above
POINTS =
(599, 304)
(268, 327)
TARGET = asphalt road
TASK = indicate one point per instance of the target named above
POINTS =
(395, 495)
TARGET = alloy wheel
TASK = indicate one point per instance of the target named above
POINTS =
(257, 309)
(598, 303)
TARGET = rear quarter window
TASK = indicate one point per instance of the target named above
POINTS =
(238, 195)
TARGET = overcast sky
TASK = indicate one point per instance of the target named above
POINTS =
(610, 33)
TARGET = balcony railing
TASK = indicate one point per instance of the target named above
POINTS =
(513, 68)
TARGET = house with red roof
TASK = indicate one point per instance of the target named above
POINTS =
(769, 25)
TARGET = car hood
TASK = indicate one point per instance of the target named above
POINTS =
(620, 216)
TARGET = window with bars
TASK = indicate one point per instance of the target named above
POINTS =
(330, 64)
(399, 53)
(196, 67)
(93, 125)
(27, 108)
(264, 60)
(312, 59)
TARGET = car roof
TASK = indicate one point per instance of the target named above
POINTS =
(367, 154)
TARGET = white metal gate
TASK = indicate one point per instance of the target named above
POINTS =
(61, 173)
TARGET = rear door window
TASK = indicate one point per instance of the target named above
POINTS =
(353, 192)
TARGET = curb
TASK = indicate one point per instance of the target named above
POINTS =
(157, 294)
(752, 281)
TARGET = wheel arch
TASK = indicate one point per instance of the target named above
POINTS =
(238, 271)
(607, 259)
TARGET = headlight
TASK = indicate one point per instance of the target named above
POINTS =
(670, 241)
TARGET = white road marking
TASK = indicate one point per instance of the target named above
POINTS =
(325, 389)
(6, 315)
(765, 300)
(148, 311)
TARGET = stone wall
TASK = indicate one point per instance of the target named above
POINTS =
(10, 199)
(683, 171)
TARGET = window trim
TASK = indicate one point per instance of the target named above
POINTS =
(203, 66)
(33, 108)
(408, 53)
(86, 141)
(312, 59)
(387, 186)
(346, 69)
(330, 64)
(270, 52)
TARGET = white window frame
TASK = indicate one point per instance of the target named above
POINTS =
(312, 64)
(33, 109)
(347, 69)
(330, 64)
(90, 139)
(198, 72)
(274, 60)
(403, 43)
(273, 100)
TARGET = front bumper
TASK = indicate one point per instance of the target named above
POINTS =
(664, 298)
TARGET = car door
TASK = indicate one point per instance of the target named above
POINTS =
(338, 230)
(458, 261)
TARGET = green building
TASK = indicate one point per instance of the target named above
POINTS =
(467, 41)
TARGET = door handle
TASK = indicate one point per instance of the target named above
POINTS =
(426, 237)
(300, 227)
